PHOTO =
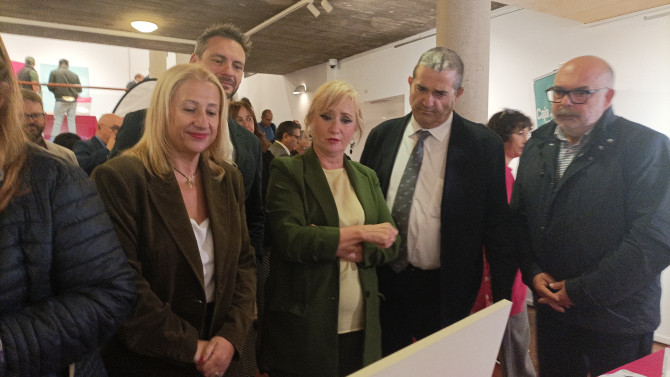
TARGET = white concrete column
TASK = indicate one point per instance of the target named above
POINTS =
(465, 27)
(157, 63)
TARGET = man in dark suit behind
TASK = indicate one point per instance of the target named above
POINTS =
(223, 50)
(459, 206)
(95, 151)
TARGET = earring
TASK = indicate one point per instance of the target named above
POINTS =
(351, 147)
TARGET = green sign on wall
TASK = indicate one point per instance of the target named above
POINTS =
(542, 105)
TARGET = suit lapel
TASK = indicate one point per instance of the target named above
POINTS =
(220, 211)
(173, 212)
(390, 151)
(457, 160)
(362, 189)
(315, 181)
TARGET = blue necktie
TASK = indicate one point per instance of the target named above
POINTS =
(404, 197)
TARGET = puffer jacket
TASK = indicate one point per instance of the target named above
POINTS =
(65, 284)
(603, 227)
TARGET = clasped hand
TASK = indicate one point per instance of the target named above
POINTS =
(213, 357)
(352, 238)
(551, 292)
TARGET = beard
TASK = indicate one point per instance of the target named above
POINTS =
(33, 131)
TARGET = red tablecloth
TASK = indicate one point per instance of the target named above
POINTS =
(86, 125)
(650, 365)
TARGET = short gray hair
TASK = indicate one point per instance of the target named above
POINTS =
(442, 59)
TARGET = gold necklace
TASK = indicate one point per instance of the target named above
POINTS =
(189, 179)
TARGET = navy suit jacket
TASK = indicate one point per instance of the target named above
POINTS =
(90, 153)
(248, 158)
(474, 210)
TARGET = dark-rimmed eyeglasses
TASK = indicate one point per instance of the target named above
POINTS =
(577, 96)
(34, 116)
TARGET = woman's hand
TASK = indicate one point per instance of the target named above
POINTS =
(353, 253)
(383, 235)
(215, 357)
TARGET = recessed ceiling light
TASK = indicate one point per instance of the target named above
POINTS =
(144, 26)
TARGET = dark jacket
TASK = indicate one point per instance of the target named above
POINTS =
(160, 336)
(63, 75)
(90, 153)
(248, 158)
(66, 284)
(300, 325)
(474, 211)
(604, 227)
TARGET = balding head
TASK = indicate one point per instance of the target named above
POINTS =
(588, 73)
(108, 126)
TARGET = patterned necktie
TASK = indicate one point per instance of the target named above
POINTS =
(404, 197)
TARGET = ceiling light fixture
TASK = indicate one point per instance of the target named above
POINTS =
(313, 9)
(326, 6)
(144, 26)
(302, 88)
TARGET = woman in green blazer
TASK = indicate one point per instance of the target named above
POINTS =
(178, 208)
(330, 228)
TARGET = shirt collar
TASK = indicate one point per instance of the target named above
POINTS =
(440, 132)
(280, 143)
(558, 132)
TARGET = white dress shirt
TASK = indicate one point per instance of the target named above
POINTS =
(423, 233)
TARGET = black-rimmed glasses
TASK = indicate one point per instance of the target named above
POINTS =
(577, 96)
(34, 116)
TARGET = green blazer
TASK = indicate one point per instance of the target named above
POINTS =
(160, 336)
(299, 330)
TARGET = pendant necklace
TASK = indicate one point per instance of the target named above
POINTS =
(189, 178)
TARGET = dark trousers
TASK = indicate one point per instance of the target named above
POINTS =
(411, 308)
(350, 356)
(567, 350)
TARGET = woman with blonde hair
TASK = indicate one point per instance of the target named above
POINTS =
(330, 228)
(65, 285)
(178, 207)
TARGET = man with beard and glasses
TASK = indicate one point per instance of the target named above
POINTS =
(592, 201)
(34, 122)
(222, 49)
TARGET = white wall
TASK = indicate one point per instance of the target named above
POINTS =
(108, 66)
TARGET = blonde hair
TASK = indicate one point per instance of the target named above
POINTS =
(12, 139)
(330, 95)
(154, 147)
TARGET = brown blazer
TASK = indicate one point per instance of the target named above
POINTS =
(149, 215)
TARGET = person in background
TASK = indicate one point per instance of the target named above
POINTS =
(34, 123)
(303, 145)
(267, 126)
(67, 140)
(66, 96)
(177, 203)
(137, 79)
(444, 181)
(331, 229)
(513, 127)
(65, 284)
(265, 144)
(242, 113)
(288, 135)
(592, 200)
(95, 151)
(29, 73)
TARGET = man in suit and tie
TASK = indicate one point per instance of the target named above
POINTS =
(223, 50)
(444, 180)
(95, 151)
(288, 136)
